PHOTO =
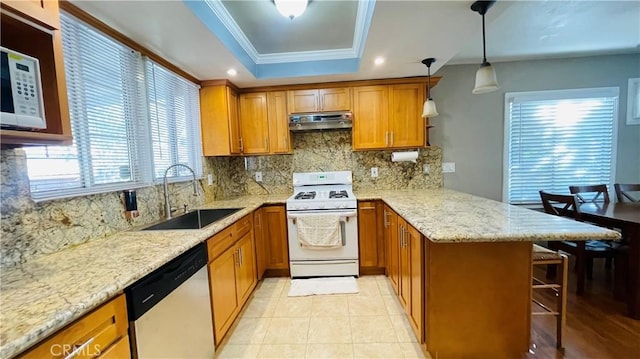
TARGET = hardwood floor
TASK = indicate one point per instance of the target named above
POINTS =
(597, 325)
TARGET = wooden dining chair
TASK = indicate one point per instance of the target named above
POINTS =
(544, 256)
(623, 192)
(584, 251)
(591, 193)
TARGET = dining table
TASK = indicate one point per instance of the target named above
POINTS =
(624, 216)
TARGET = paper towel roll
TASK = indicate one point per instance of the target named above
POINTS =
(404, 156)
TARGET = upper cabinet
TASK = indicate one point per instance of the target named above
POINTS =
(388, 117)
(319, 100)
(33, 28)
(251, 123)
(219, 121)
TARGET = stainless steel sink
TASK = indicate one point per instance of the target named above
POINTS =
(194, 220)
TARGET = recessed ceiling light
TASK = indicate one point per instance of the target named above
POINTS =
(232, 72)
(379, 61)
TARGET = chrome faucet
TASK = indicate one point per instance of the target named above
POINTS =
(167, 206)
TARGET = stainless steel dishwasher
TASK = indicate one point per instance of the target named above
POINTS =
(170, 310)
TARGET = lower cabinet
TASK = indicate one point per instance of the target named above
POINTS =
(100, 334)
(392, 245)
(275, 240)
(370, 238)
(232, 274)
(405, 267)
(258, 230)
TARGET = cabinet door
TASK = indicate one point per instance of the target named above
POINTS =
(224, 301)
(277, 248)
(370, 117)
(235, 134)
(246, 273)
(258, 234)
(406, 125)
(46, 12)
(337, 99)
(279, 135)
(390, 219)
(415, 245)
(405, 267)
(254, 123)
(219, 121)
(303, 101)
(371, 250)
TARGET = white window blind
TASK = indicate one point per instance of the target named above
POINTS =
(129, 123)
(106, 100)
(174, 114)
(554, 139)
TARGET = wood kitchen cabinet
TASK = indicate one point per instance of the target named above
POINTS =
(254, 123)
(219, 120)
(43, 42)
(276, 243)
(279, 135)
(258, 234)
(232, 273)
(370, 237)
(392, 245)
(320, 100)
(103, 332)
(387, 117)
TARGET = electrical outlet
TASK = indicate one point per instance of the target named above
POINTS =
(448, 167)
(374, 172)
(258, 176)
(425, 169)
(210, 179)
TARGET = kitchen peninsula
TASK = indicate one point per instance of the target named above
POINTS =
(475, 278)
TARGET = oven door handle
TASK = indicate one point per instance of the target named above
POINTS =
(343, 216)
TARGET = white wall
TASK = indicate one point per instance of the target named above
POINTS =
(470, 128)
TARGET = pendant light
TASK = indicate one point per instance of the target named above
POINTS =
(486, 80)
(429, 108)
(291, 8)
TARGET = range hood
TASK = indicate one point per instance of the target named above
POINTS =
(320, 121)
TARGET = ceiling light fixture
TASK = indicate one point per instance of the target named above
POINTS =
(429, 108)
(232, 72)
(379, 61)
(291, 8)
(486, 80)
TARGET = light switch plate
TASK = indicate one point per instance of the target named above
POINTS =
(374, 172)
(210, 179)
(448, 167)
(258, 176)
(425, 169)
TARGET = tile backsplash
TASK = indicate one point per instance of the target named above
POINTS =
(30, 229)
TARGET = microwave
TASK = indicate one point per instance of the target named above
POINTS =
(21, 97)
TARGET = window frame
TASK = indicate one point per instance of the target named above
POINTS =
(562, 94)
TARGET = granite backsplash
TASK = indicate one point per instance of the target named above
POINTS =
(30, 229)
(324, 151)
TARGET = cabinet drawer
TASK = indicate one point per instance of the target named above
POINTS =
(217, 244)
(87, 336)
(244, 225)
(119, 350)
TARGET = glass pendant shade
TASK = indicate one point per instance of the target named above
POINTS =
(429, 109)
(486, 80)
(291, 8)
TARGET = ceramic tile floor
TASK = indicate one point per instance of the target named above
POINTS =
(370, 324)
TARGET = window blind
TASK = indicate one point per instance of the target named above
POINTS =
(105, 86)
(174, 115)
(554, 139)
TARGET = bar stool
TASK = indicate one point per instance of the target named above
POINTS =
(544, 256)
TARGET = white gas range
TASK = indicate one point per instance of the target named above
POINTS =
(316, 194)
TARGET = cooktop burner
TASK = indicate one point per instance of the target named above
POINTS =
(338, 194)
(305, 195)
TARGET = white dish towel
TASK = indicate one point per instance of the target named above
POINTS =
(319, 231)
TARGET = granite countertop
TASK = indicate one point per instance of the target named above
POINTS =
(39, 297)
(444, 215)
